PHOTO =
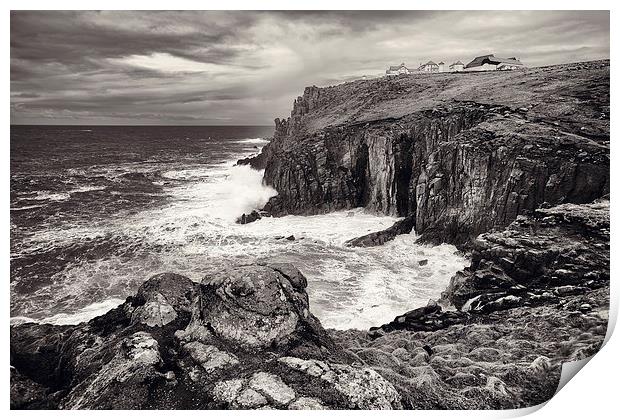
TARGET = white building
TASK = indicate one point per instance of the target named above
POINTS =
(441, 67)
(431, 67)
(457, 66)
(490, 62)
(396, 70)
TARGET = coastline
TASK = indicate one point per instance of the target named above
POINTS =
(534, 296)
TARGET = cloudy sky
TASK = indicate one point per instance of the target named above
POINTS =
(245, 68)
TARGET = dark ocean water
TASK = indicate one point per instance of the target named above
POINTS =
(95, 211)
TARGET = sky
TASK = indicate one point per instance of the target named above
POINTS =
(246, 68)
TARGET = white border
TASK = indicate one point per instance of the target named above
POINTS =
(592, 395)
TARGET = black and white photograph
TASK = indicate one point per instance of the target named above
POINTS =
(305, 209)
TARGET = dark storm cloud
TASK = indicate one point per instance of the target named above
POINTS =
(217, 67)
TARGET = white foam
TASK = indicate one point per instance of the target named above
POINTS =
(51, 196)
(195, 234)
(26, 207)
(85, 314)
(82, 315)
(253, 141)
(87, 188)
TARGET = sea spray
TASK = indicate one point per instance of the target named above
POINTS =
(241, 191)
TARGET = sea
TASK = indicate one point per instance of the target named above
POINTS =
(97, 210)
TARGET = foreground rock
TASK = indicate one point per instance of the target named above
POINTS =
(243, 338)
(508, 359)
(535, 296)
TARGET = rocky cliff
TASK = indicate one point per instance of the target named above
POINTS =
(461, 153)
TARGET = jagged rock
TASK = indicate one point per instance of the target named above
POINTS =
(364, 388)
(272, 387)
(210, 357)
(426, 318)
(249, 218)
(413, 147)
(527, 264)
(27, 394)
(249, 398)
(127, 375)
(379, 238)
(257, 162)
(227, 391)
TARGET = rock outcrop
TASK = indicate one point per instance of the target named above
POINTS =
(537, 260)
(379, 238)
(461, 153)
(243, 338)
(555, 252)
(536, 296)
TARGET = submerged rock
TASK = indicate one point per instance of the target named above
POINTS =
(249, 218)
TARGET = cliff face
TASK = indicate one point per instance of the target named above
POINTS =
(461, 153)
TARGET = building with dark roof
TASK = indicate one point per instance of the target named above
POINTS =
(490, 62)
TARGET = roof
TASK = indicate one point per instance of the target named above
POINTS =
(458, 63)
(430, 63)
(394, 68)
(491, 59)
(441, 62)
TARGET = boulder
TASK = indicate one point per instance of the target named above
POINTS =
(257, 306)
(161, 298)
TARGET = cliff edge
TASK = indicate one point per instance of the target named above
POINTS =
(460, 153)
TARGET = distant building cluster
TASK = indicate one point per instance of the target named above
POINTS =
(482, 63)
